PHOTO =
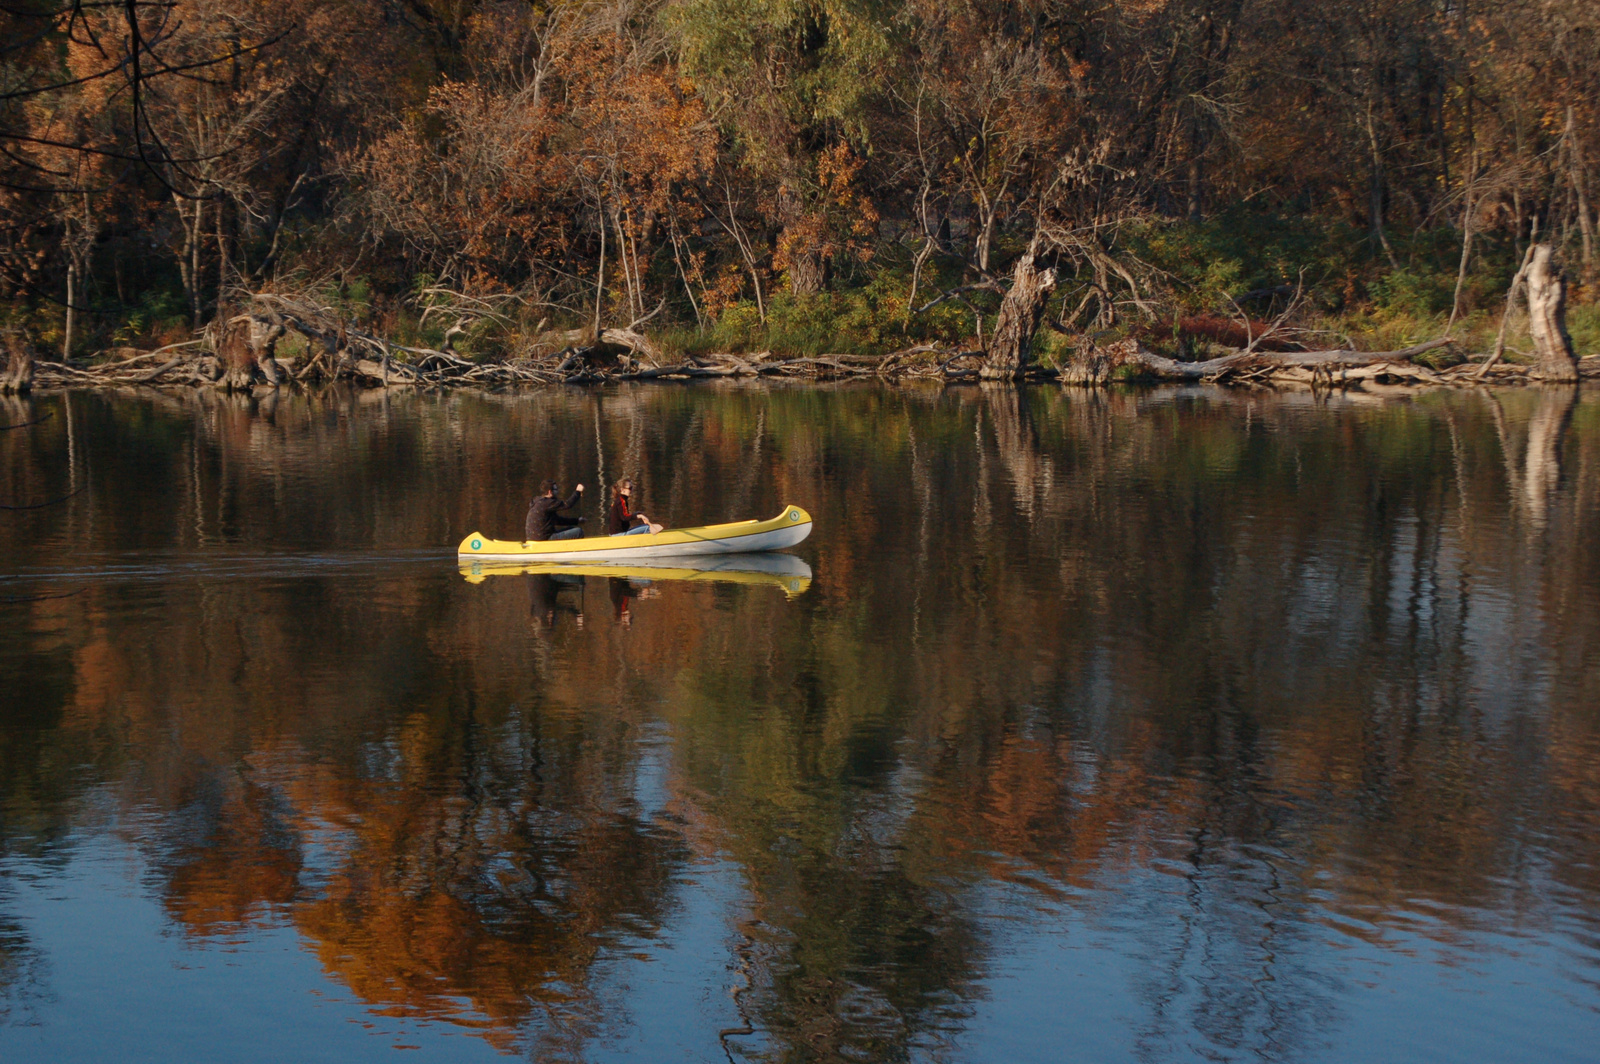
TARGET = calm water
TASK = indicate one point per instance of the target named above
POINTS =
(1178, 725)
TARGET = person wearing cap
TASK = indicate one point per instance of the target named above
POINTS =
(545, 520)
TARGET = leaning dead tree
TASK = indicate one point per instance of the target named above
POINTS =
(1021, 311)
(1547, 318)
(246, 346)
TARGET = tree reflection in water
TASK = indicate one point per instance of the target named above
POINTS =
(1218, 674)
(22, 974)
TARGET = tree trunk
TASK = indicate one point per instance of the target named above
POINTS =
(18, 377)
(187, 257)
(635, 297)
(1375, 183)
(238, 362)
(194, 261)
(72, 299)
(985, 241)
(807, 270)
(222, 256)
(1020, 312)
(266, 345)
(600, 277)
(1195, 208)
(1579, 181)
(1547, 319)
(808, 273)
(245, 346)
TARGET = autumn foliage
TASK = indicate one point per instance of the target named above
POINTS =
(598, 163)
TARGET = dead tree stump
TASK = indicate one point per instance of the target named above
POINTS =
(246, 346)
(18, 377)
(1020, 312)
(264, 337)
(1093, 364)
(1547, 319)
(234, 355)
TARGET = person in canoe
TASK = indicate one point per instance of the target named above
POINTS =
(545, 519)
(623, 520)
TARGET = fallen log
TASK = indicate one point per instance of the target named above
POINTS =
(892, 360)
(161, 370)
(386, 372)
(62, 369)
(633, 341)
(741, 367)
(799, 363)
(1097, 364)
(1380, 370)
(686, 370)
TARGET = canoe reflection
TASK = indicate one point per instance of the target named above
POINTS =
(783, 571)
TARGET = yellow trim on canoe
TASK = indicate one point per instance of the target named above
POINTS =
(478, 544)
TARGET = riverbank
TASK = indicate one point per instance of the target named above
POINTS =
(1214, 307)
(1128, 361)
(291, 337)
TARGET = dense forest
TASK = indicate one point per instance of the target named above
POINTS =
(793, 175)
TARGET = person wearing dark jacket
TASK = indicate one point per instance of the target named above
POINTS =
(545, 520)
(622, 520)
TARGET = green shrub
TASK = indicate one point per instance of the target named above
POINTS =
(1583, 322)
(1407, 291)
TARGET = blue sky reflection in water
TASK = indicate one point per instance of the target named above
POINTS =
(1143, 726)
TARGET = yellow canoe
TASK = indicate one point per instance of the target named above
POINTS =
(783, 571)
(737, 537)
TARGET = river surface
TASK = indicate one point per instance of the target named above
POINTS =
(1131, 726)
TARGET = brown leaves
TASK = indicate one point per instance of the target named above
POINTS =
(505, 174)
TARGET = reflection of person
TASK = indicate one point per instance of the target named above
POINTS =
(623, 521)
(545, 520)
(544, 602)
(623, 591)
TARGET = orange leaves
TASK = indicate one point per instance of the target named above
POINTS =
(634, 127)
(839, 217)
(517, 167)
(727, 289)
(837, 168)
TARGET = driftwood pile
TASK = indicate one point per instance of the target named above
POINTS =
(1128, 359)
(239, 352)
(191, 364)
